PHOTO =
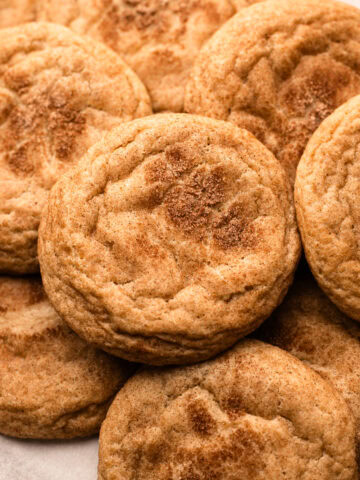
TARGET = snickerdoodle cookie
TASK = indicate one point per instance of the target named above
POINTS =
(327, 203)
(159, 39)
(310, 327)
(253, 413)
(59, 93)
(15, 12)
(278, 68)
(52, 383)
(174, 238)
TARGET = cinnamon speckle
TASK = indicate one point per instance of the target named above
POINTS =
(201, 421)
(19, 161)
(190, 203)
(148, 16)
(34, 118)
(313, 92)
(233, 405)
(242, 448)
(233, 229)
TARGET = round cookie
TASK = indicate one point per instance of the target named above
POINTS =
(253, 413)
(159, 39)
(310, 327)
(59, 94)
(278, 69)
(52, 384)
(326, 193)
(15, 12)
(174, 238)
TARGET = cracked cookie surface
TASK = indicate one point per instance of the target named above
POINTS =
(310, 327)
(278, 68)
(174, 238)
(53, 384)
(59, 94)
(255, 412)
(159, 39)
(326, 194)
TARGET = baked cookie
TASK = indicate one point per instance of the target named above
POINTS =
(59, 93)
(326, 192)
(159, 39)
(278, 69)
(15, 12)
(310, 327)
(174, 238)
(52, 383)
(254, 413)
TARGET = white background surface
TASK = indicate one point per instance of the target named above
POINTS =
(36, 460)
(39, 460)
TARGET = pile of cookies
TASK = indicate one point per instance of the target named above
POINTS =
(161, 162)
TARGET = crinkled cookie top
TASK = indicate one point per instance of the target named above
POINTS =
(53, 384)
(175, 237)
(59, 94)
(255, 413)
(159, 39)
(310, 327)
(327, 202)
(278, 68)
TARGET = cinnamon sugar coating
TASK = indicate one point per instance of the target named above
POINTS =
(59, 94)
(159, 39)
(255, 412)
(278, 68)
(310, 327)
(174, 238)
(327, 204)
(53, 384)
